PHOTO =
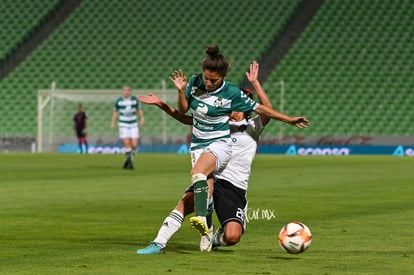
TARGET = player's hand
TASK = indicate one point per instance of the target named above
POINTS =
(253, 74)
(151, 98)
(179, 80)
(299, 121)
(84, 131)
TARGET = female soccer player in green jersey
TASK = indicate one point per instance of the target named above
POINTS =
(127, 107)
(212, 99)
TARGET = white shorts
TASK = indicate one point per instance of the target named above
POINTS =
(128, 132)
(221, 149)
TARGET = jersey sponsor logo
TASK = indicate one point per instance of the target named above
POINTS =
(202, 108)
(202, 126)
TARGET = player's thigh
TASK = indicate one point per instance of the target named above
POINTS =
(212, 158)
(230, 203)
(126, 134)
(206, 164)
(134, 133)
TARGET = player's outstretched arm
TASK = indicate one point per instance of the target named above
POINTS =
(153, 99)
(298, 121)
(253, 77)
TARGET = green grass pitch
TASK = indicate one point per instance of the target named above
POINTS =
(83, 214)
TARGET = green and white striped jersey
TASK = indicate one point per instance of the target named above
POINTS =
(127, 108)
(211, 110)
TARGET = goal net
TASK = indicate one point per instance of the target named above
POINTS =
(56, 110)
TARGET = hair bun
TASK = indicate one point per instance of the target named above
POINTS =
(212, 50)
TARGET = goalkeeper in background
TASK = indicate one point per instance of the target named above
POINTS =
(127, 107)
(80, 120)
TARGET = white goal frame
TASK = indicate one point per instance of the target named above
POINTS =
(48, 141)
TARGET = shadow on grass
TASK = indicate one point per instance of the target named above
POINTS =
(190, 248)
(284, 258)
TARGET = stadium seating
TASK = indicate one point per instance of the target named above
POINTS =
(351, 70)
(18, 19)
(106, 43)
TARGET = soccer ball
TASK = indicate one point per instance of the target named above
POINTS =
(295, 237)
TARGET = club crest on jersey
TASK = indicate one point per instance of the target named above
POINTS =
(218, 103)
(202, 109)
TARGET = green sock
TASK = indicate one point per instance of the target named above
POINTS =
(201, 197)
(127, 154)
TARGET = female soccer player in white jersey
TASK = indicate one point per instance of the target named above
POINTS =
(230, 185)
(127, 106)
(212, 99)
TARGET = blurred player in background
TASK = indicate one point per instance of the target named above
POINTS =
(126, 107)
(80, 121)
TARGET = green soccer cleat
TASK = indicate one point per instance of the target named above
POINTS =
(152, 248)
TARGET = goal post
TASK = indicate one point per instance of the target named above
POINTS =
(57, 107)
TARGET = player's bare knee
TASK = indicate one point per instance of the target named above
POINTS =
(232, 239)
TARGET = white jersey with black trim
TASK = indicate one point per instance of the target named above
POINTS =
(245, 136)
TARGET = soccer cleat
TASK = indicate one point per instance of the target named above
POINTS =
(152, 248)
(128, 164)
(214, 242)
(205, 242)
(199, 225)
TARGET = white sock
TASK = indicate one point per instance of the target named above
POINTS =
(171, 224)
(220, 239)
